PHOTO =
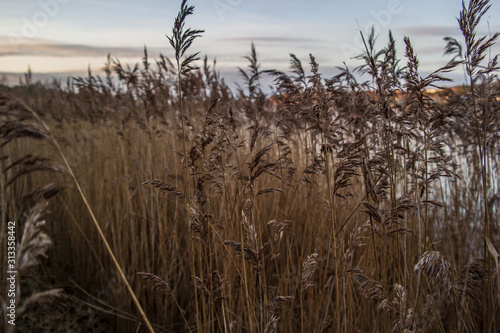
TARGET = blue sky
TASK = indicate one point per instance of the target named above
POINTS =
(62, 37)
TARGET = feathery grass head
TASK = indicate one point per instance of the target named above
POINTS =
(34, 242)
(182, 39)
(156, 282)
(254, 73)
(272, 324)
(165, 187)
(437, 269)
(369, 288)
(405, 314)
(475, 48)
(308, 269)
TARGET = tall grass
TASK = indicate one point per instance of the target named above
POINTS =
(332, 205)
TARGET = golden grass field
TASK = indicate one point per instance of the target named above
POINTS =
(157, 199)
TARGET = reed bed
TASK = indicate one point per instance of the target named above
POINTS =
(330, 205)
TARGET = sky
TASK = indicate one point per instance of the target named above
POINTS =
(64, 37)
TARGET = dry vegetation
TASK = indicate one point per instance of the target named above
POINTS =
(176, 205)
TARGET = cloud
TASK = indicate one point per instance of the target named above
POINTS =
(272, 39)
(41, 47)
(14, 78)
(433, 30)
(443, 31)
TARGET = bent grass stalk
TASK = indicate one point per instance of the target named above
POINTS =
(383, 217)
(54, 141)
